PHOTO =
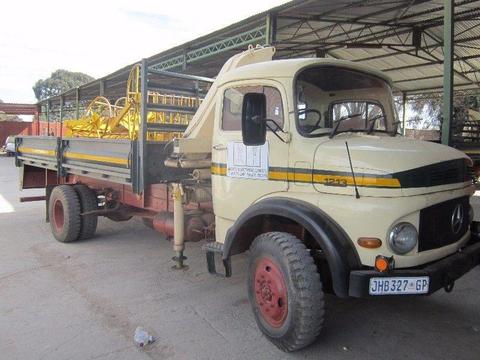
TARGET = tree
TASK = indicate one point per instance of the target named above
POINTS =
(428, 110)
(58, 82)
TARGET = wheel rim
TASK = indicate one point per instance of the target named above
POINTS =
(271, 292)
(58, 216)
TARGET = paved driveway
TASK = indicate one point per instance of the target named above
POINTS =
(84, 301)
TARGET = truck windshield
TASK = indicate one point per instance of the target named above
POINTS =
(332, 99)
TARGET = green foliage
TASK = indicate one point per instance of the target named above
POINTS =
(426, 111)
(58, 82)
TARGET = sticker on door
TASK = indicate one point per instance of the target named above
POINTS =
(250, 162)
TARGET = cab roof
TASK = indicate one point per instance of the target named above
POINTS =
(288, 68)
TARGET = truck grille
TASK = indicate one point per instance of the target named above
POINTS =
(436, 226)
(446, 176)
(442, 173)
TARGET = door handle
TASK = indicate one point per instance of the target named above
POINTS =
(219, 147)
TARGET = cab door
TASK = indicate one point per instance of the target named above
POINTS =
(243, 174)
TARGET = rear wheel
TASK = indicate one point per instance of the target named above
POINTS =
(285, 290)
(64, 213)
(88, 202)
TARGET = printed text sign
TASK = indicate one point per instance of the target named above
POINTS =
(249, 162)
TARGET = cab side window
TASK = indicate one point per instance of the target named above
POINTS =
(232, 105)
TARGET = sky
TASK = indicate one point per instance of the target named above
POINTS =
(99, 37)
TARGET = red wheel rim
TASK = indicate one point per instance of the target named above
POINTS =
(271, 292)
(58, 217)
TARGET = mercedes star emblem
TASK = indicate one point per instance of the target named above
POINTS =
(457, 218)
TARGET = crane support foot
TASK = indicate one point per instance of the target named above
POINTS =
(179, 258)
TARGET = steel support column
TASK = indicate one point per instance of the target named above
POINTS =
(404, 113)
(448, 47)
(36, 119)
(48, 117)
(142, 133)
(61, 116)
(184, 63)
(271, 29)
(77, 101)
(102, 88)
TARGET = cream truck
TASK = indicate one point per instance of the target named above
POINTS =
(296, 162)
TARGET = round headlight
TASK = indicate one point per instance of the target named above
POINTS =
(403, 238)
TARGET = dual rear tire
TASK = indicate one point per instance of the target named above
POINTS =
(65, 208)
(88, 202)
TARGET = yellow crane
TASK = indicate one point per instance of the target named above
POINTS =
(121, 120)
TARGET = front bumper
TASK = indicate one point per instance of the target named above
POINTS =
(442, 273)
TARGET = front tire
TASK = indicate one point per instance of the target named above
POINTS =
(285, 291)
(64, 213)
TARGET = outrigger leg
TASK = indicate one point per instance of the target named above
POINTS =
(179, 232)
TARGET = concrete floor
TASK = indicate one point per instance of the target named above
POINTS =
(84, 300)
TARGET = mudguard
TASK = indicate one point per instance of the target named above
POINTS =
(339, 250)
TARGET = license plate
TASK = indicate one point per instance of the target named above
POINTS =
(399, 285)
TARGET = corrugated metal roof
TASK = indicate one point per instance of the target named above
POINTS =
(346, 30)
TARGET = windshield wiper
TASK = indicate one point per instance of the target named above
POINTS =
(373, 121)
(337, 123)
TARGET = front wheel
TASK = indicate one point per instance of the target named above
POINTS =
(285, 290)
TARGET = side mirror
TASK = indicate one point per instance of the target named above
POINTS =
(254, 125)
